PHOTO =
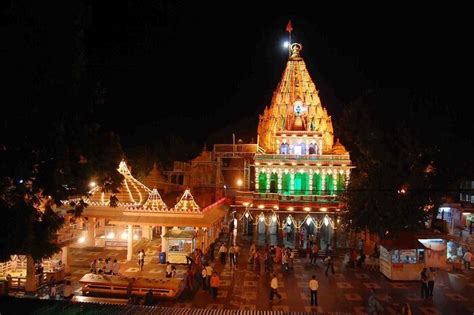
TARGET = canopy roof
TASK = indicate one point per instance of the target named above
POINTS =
(130, 193)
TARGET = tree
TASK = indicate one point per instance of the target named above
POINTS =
(393, 185)
(28, 226)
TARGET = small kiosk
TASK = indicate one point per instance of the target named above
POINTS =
(402, 258)
(180, 243)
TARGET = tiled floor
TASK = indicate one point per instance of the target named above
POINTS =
(346, 291)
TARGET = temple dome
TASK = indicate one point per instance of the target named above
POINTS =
(295, 105)
(338, 148)
(155, 179)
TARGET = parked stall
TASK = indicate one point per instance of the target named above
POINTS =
(402, 258)
(180, 243)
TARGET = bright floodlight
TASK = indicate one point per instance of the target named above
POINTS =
(308, 221)
(111, 235)
(81, 240)
(124, 235)
(92, 184)
(286, 44)
(239, 182)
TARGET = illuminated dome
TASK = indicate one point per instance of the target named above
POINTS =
(338, 148)
(295, 105)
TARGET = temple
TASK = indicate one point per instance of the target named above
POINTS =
(299, 171)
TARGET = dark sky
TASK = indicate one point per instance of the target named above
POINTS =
(191, 68)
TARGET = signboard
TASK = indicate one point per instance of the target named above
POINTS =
(115, 243)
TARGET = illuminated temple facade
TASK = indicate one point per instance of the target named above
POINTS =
(302, 170)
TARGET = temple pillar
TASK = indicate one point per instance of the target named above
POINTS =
(267, 173)
(64, 258)
(164, 244)
(348, 174)
(310, 181)
(257, 173)
(320, 147)
(280, 179)
(130, 242)
(292, 182)
(147, 232)
(91, 232)
(323, 182)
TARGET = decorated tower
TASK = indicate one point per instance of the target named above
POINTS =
(301, 156)
(303, 170)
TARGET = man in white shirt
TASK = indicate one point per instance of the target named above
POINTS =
(313, 287)
(274, 288)
(223, 253)
(467, 259)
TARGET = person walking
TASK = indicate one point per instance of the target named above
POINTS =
(209, 272)
(141, 259)
(215, 282)
(313, 288)
(236, 254)
(222, 253)
(204, 278)
(375, 307)
(431, 274)
(274, 288)
(232, 256)
(330, 264)
(424, 284)
(467, 259)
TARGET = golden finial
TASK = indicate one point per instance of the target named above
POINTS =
(295, 51)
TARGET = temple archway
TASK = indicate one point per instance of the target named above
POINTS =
(274, 183)
(317, 184)
(262, 182)
(330, 184)
(301, 184)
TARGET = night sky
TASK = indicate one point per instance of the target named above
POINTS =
(193, 69)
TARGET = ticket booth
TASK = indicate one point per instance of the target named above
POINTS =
(402, 258)
(180, 243)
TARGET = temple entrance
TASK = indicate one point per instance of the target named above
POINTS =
(274, 183)
(289, 232)
(317, 184)
(330, 184)
(325, 234)
(301, 184)
(261, 228)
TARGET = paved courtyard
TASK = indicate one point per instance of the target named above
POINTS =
(345, 291)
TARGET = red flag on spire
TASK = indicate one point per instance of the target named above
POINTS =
(289, 28)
